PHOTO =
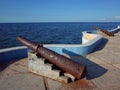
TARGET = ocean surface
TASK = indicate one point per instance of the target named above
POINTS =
(48, 33)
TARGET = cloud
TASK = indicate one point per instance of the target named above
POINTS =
(103, 19)
(117, 17)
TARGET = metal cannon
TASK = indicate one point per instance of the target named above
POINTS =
(104, 31)
(76, 69)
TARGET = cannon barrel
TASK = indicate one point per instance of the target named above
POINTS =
(76, 69)
(104, 31)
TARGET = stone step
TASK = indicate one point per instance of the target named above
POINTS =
(42, 60)
(49, 65)
(37, 65)
(64, 79)
(70, 76)
(42, 67)
(34, 57)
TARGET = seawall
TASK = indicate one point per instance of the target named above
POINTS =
(88, 46)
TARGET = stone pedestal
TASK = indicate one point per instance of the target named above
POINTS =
(41, 66)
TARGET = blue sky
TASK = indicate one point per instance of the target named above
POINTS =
(59, 11)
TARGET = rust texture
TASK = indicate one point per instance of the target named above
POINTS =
(104, 31)
(76, 69)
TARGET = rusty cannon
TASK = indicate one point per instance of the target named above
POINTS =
(104, 31)
(67, 65)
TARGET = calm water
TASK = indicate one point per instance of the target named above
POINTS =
(48, 33)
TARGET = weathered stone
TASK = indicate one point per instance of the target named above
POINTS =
(38, 66)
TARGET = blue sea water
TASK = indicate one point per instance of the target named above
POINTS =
(48, 33)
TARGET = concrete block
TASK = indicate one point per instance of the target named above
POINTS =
(70, 76)
(39, 66)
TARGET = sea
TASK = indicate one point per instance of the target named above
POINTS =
(48, 33)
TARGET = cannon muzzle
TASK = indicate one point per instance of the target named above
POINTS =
(76, 69)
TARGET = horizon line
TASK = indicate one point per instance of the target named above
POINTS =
(69, 22)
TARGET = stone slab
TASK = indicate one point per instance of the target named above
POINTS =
(39, 66)
(117, 65)
(17, 77)
(110, 79)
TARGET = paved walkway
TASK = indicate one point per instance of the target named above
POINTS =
(109, 59)
(103, 72)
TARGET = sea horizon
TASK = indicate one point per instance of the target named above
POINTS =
(48, 32)
(69, 22)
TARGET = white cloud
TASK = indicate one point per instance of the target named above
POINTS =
(103, 19)
(117, 17)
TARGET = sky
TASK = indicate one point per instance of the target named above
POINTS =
(59, 10)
